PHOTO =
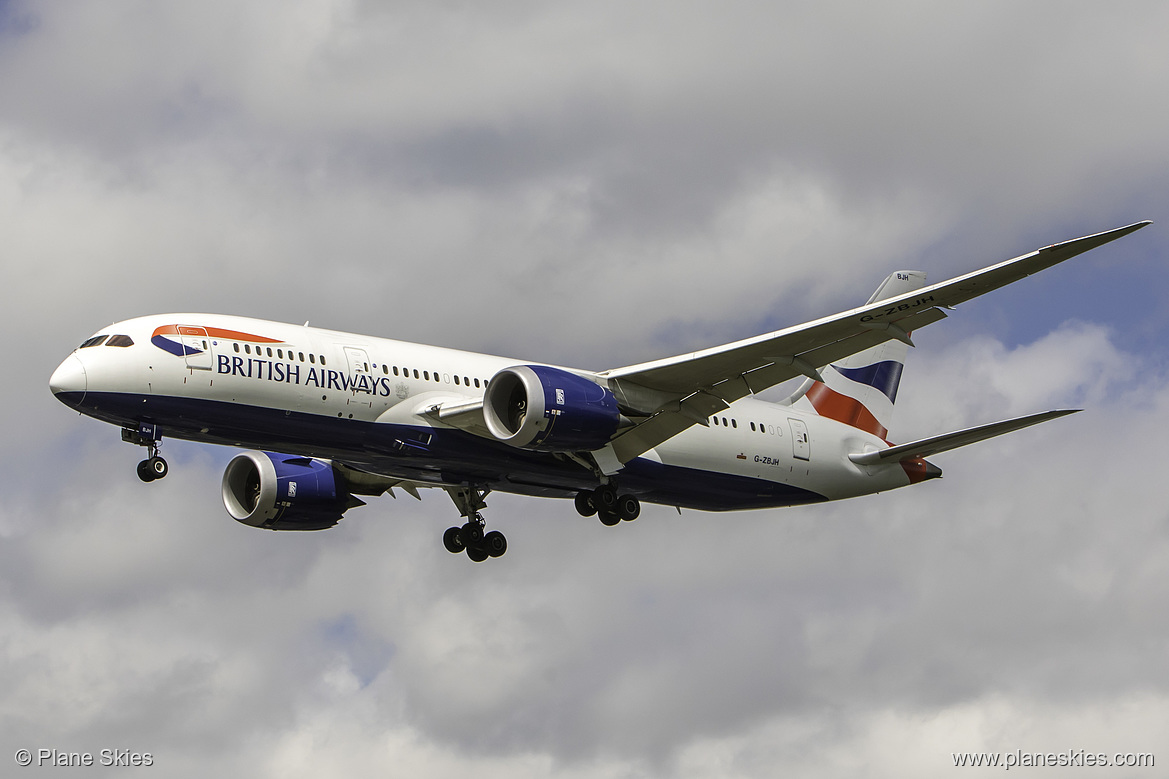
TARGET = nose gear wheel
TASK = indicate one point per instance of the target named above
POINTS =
(152, 468)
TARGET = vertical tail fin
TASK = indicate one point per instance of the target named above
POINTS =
(861, 389)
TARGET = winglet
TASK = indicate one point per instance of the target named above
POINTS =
(1099, 239)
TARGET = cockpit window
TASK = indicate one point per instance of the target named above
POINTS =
(95, 341)
(120, 340)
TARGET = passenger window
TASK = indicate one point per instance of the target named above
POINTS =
(386, 369)
(95, 341)
(312, 358)
(323, 362)
(301, 354)
(280, 353)
(416, 373)
(120, 340)
(456, 379)
(269, 351)
(476, 384)
(752, 427)
(735, 423)
(426, 375)
(395, 370)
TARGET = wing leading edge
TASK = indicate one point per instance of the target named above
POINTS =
(679, 392)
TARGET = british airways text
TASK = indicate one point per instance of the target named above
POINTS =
(290, 373)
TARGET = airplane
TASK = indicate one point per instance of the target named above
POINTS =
(325, 416)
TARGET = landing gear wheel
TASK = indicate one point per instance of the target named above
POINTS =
(585, 505)
(472, 533)
(605, 497)
(473, 537)
(608, 518)
(628, 507)
(452, 539)
(144, 471)
(158, 467)
(495, 543)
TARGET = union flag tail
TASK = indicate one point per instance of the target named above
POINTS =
(861, 389)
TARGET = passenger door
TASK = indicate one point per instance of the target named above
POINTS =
(360, 375)
(196, 347)
(801, 445)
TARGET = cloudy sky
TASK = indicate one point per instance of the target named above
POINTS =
(593, 184)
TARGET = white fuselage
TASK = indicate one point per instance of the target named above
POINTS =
(321, 393)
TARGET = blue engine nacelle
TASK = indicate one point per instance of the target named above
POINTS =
(285, 492)
(549, 410)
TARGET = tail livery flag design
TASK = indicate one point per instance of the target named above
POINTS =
(861, 389)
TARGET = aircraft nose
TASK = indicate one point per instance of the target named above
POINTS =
(68, 381)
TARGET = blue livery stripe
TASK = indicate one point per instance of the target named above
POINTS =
(885, 376)
(174, 347)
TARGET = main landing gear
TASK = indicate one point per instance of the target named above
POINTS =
(609, 506)
(479, 543)
(472, 537)
(153, 467)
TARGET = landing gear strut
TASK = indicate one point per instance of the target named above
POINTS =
(609, 506)
(472, 537)
(153, 467)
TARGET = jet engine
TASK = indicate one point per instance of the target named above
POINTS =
(285, 492)
(549, 410)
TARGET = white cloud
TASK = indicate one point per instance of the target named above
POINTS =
(979, 380)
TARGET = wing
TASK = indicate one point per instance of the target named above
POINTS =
(675, 393)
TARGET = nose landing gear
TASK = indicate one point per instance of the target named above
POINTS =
(153, 467)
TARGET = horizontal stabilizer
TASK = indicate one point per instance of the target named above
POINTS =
(948, 441)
